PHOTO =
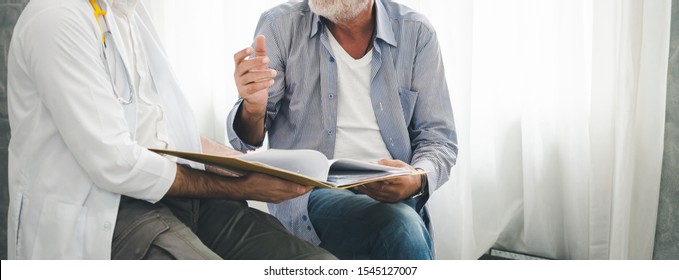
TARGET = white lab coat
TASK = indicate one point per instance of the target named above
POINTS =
(72, 153)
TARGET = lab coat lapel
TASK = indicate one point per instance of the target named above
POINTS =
(130, 109)
(115, 32)
(181, 121)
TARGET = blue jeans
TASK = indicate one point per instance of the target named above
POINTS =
(355, 226)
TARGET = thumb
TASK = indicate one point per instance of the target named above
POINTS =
(260, 45)
(389, 162)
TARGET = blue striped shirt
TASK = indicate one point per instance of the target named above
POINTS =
(408, 91)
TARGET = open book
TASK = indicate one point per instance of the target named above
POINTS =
(305, 167)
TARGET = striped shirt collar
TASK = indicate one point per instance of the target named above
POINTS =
(385, 31)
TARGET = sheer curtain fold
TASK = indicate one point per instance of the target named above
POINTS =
(565, 127)
(559, 107)
(636, 82)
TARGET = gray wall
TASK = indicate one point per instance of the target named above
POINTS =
(667, 229)
(9, 13)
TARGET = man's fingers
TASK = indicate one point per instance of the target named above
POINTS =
(255, 87)
(255, 76)
(305, 189)
(241, 55)
(260, 45)
(392, 163)
(256, 63)
(294, 191)
(384, 191)
(286, 191)
(379, 197)
(372, 185)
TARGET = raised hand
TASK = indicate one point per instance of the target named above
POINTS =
(253, 77)
(253, 80)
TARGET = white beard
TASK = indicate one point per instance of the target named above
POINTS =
(338, 10)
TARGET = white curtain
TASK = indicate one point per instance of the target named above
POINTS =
(559, 107)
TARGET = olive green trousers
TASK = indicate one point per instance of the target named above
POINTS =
(177, 228)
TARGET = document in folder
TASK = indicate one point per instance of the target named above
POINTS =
(305, 167)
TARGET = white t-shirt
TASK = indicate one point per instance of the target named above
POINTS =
(358, 135)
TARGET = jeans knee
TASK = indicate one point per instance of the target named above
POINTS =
(401, 220)
(403, 234)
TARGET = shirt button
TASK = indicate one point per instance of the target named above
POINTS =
(332, 59)
(308, 228)
(107, 226)
(329, 132)
(331, 97)
(304, 218)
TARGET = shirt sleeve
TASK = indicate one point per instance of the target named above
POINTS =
(432, 129)
(64, 55)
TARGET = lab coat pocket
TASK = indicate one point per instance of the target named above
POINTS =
(16, 204)
(61, 231)
(408, 99)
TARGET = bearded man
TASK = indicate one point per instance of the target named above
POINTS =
(360, 79)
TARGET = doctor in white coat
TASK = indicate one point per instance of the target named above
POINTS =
(87, 92)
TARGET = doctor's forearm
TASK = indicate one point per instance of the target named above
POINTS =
(194, 183)
(200, 184)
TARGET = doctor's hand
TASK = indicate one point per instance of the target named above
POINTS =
(393, 190)
(266, 188)
(194, 183)
(253, 79)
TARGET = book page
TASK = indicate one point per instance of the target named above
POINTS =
(306, 167)
(352, 164)
(350, 178)
(309, 163)
(346, 173)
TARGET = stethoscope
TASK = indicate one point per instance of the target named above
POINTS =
(106, 42)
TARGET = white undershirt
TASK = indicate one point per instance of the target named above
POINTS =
(152, 130)
(358, 135)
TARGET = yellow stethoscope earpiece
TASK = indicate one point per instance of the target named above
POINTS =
(97, 13)
(100, 16)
